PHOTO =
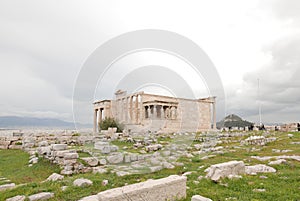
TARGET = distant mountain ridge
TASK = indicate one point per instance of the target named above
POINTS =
(233, 120)
(17, 121)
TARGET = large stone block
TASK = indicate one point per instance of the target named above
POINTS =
(7, 186)
(17, 198)
(169, 188)
(60, 154)
(5, 143)
(91, 161)
(41, 196)
(82, 182)
(55, 177)
(44, 150)
(221, 170)
(105, 147)
(69, 162)
(260, 168)
(115, 158)
(68, 156)
(59, 147)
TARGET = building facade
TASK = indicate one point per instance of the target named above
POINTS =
(148, 112)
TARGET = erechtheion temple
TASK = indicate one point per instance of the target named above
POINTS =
(148, 112)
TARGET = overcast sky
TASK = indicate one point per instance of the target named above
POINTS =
(44, 44)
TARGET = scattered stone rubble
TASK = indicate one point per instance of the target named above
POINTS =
(150, 154)
(154, 156)
(267, 158)
(258, 140)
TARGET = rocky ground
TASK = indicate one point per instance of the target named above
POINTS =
(218, 165)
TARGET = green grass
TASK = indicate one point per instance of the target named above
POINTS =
(121, 144)
(284, 185)
(83, 154)
(14, 166)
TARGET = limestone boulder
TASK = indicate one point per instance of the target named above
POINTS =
(59, 147)
(105, 147)
(69, 156)
(200, 198)
(99, 170)
(170, 188)
(69, 162)
(55, 177)
(115, 158)
(41, 196)
(122, 173)
(43, 144)
(17, 198)
(222, 170)
(91, 161)
(44, 150)
(7, 186)
(260, 168)
(154, 147)
(82, 182)
(104, 182)
(66, 172)
(277, 162)
(103, 161)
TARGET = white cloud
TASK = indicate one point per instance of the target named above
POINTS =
(43, 44)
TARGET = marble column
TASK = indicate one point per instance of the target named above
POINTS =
(141, 108)
(154, 112)
(99, 115)
(136, 110)
(214, 116)
(130, 109)
(149, 112)
(95, 121)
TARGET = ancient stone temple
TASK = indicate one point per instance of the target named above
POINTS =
(148, 112)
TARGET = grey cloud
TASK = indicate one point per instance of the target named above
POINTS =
(42, 47)
(279, 85)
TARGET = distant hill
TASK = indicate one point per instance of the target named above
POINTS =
(233, 121)
(17, 122)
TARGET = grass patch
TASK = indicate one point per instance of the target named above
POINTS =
(14, 166)
(83, 154)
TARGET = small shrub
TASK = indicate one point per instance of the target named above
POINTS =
(75, 134)
(110, 122)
